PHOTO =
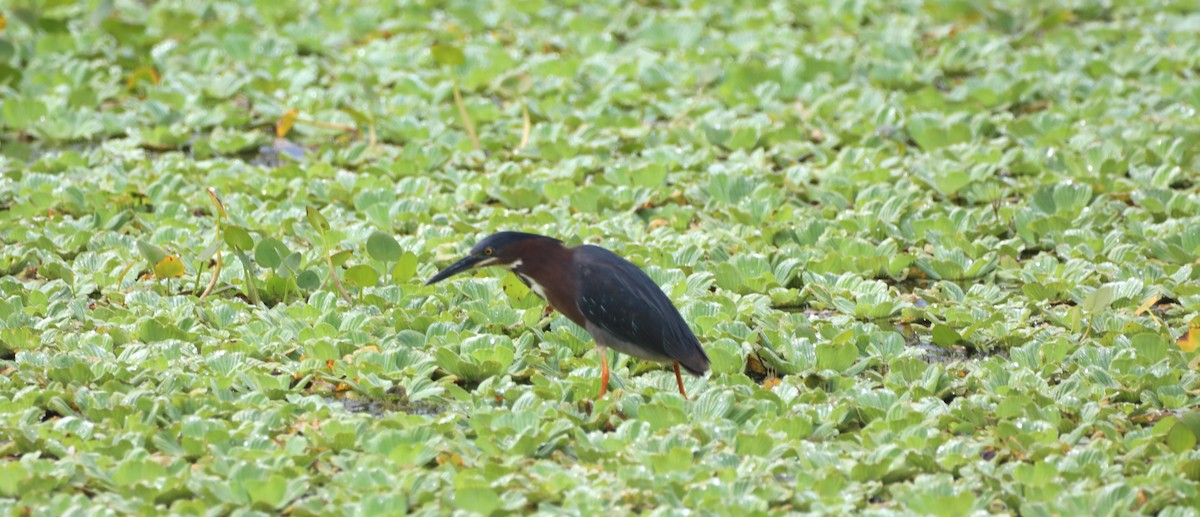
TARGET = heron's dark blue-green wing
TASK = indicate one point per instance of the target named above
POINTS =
(619, 297)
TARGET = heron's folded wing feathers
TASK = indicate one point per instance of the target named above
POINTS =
(618, 297)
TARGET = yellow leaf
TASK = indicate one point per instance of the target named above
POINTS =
(449, 457)
(3, 22)
(1190, 340)
(168, 267)
(286, 122)
(139, 74)
(1146, 305)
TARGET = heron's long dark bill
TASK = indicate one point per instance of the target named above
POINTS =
(466, 264)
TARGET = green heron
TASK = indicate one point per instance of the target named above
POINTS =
(617, 303)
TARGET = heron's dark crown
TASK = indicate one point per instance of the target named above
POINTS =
(502, 240)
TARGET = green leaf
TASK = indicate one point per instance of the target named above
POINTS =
(134, 471)
(308, 280)
(715, 134)
(321, 350)
(406, 268)
(489, 356)
(933, 131)
(448, 55)
(660, 415)
(1036, 475)
(290, 264)
(1180, 438)
(756, 444)
(270, 253)
(514, 288)
(1150, 347)
(153, 254)
(795, 427)
(937, 504)
(341, 257)
(1191, 470)
(945, 336)
(317, 220)
(727, 277)
(159, 329)
(516, 84)
(12, 475)
(271, 491)
(20, 338)
(726, 357)
(362, 276)
(1191, 420)
(24, 112)
(247, 268)
(653, 174)
(238, 238)
(480, 500)
(836, 357)
(1098, 300)
(383, 247)
(926, 131)
(678, 459)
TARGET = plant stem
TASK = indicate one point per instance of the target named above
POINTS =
(526, 129)
(333, 273)
(216, 274)
(466, 119)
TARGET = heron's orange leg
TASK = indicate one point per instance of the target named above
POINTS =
(603, 372)
(679, 381)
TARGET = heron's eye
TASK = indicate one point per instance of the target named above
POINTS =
(487, 251)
